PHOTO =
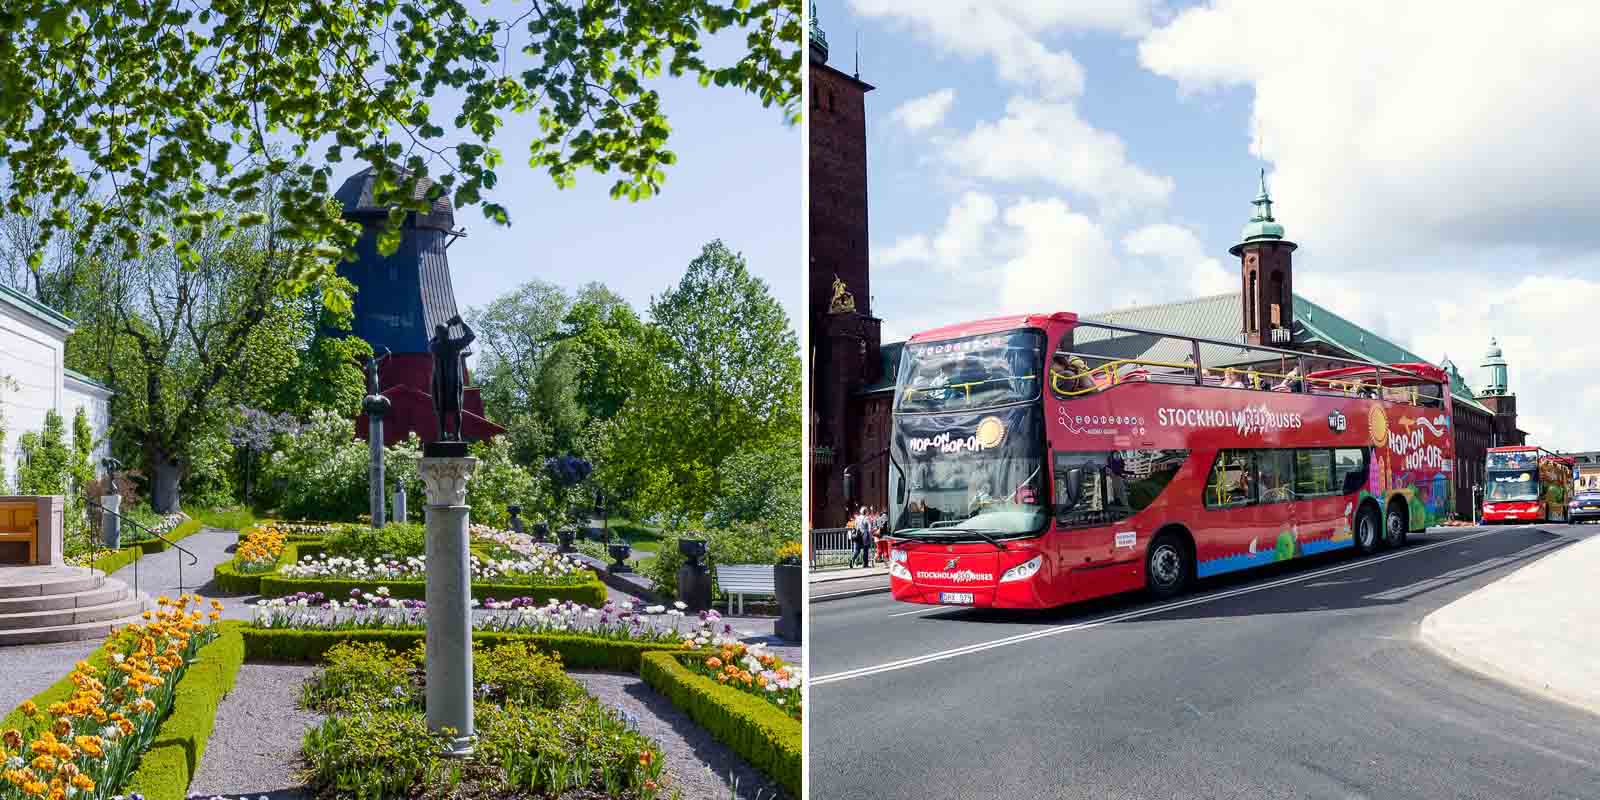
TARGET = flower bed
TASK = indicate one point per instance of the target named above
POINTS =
(539, 733)
(761, 732)
(550, 569)
(755, 671)
(381, 610)
(133, 717)
(259, 550)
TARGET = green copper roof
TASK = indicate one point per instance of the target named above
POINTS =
(36, 309)
(1262, 225)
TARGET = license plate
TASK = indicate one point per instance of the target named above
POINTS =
(1588, 506)
(956, 598)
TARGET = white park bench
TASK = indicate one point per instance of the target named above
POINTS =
(738, 580)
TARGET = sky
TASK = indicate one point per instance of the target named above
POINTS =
(1432, 159)
(737, 178)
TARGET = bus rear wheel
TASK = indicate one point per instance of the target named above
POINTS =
(1167, 566)
(1366, 534)
(1394, 527)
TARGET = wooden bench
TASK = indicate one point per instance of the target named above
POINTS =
(738, 580)
(19, 524)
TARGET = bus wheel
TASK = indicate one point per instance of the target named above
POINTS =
(1366, 530)
(1394, 527)
(1166, 566)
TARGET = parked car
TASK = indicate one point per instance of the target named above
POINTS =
(1585, 506)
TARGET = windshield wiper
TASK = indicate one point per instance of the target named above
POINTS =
(986, 537)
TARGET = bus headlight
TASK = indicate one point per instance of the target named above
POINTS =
(898, 570)
(1024, 570)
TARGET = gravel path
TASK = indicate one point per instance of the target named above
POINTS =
(29, 669)
(158, 573)
(255, 746)
(701, 767)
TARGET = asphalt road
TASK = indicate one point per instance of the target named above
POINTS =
(1302, 681)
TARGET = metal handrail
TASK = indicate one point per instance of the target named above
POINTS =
(193, 559)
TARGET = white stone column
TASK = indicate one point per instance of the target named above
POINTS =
(399, 503)
(449, 593)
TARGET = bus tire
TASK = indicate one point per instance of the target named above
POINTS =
(1367, 526)
(1168, 566)
(1395, 526)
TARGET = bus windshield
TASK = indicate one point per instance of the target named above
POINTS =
(970, 472)
(1508, 485)
(973, 372)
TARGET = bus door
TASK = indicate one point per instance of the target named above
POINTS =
(1327, 484)
(1277, 506)
(1240, 527)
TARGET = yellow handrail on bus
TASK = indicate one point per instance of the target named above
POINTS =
(1110, 371)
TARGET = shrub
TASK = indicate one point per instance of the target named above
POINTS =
(398, 539)
(43, 459)
(755, 729)
(361, 676)
(371, 754)
(513, 672)
(580, 745)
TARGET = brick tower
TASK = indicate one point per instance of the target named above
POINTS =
(1266, 273)
(843, 335)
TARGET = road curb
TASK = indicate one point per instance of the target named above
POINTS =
(1444, 646)
(848, 593)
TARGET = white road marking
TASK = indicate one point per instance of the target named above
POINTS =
(891, 666)
(926, 610)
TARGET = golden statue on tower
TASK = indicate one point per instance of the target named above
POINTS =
(843, 301)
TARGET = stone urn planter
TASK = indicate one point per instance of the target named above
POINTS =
(566, 537)
(694, 577)
(787, 580)
(619, 553)
(541, 532)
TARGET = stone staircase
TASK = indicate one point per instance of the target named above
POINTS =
(63, 604)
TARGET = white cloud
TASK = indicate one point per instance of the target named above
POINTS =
(1537, 319)
(1050, 142)
(1407, 128)
(924, 112)
(1012, 32)
(1179, 250)
(1028, 255)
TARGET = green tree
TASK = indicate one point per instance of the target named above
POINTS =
(44, 462)
(761, 487)
(165, 100)
(184, 345)
(614, 343)
(724, 378)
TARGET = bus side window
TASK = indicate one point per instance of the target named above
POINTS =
(1350, 469)
(1232, 480)
(1276, 468)
(1313, 472)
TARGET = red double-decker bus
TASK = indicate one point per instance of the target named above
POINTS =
(1040, 460)
(1526, 484)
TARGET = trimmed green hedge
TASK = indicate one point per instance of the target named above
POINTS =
(169, 765)
(577, 652)
(230, 580)
(165, 769)
(755, 729)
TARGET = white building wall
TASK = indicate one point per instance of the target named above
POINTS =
(96, 404)
(30, 355)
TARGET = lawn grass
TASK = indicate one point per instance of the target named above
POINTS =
(642, 537)
(233, 519)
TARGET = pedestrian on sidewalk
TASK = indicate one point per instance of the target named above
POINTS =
(863, 538)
